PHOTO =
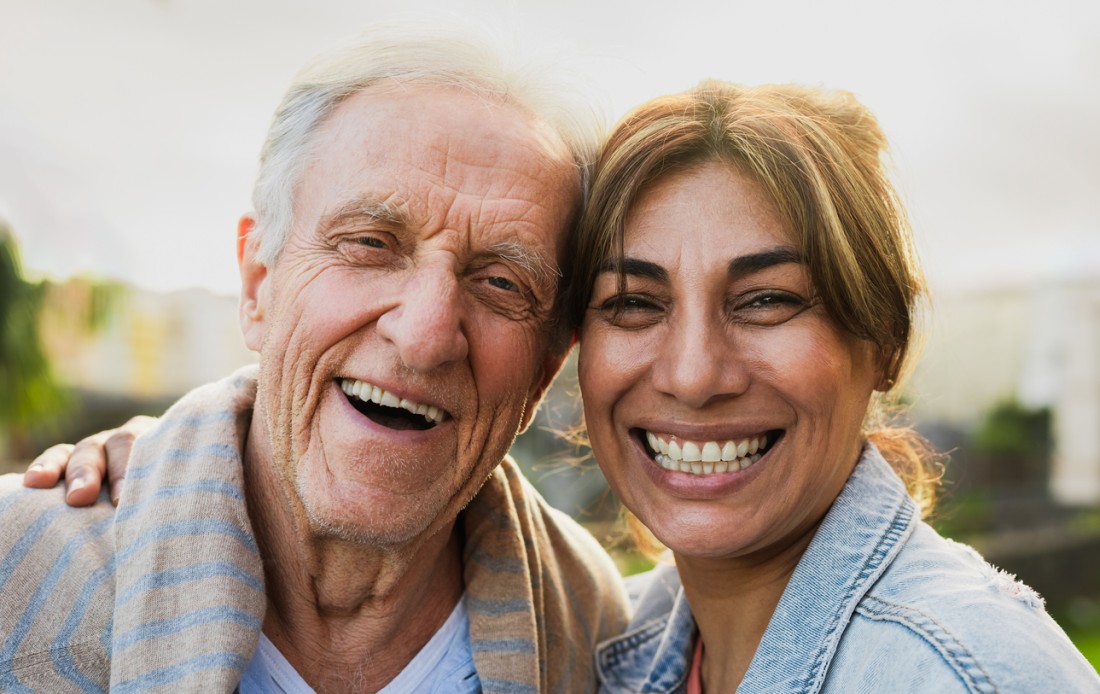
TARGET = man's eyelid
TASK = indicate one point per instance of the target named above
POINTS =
(391, 239)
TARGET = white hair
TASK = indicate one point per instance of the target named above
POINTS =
(431, 56)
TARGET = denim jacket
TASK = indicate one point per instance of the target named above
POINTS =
(878, 603)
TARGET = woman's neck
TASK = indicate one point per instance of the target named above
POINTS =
(732, 601)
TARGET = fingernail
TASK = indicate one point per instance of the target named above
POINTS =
(75, 485)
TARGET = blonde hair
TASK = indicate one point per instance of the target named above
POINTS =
(819, 155)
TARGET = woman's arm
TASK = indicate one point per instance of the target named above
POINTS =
(85, 464)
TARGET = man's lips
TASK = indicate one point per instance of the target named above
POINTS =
(388, 409)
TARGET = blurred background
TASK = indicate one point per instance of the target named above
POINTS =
(129, 131)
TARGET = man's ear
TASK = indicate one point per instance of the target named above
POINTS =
(555, 359)
(254, 286)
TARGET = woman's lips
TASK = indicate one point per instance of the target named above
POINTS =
(707, 457)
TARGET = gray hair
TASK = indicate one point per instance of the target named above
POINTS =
(402, 56)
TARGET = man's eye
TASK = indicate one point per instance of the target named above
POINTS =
(503, 283)
(371, 242)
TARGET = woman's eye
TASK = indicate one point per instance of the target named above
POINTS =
(769, 308)
(772, 301)
(625, 302)
(630, 311)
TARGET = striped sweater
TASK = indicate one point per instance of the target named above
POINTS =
(168, 593)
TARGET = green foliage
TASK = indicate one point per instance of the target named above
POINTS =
(961, 516)
(26, 379)
(1088, 642)
(1011, 429)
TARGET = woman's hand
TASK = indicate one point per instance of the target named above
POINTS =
(85, 464)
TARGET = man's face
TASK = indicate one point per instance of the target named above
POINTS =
(404, 330)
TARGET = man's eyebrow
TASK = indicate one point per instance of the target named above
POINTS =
(366, 207)
(530, 259)
(634, 267)
(755, 262)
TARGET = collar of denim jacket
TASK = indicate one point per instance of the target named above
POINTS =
(860, 536)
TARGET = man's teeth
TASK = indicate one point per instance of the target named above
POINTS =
(708, 457)
(370, 393)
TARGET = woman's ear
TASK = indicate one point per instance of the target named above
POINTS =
(889, 359)
(253, 284)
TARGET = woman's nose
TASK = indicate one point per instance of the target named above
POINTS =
(698, 360)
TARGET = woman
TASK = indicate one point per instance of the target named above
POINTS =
(746, 292)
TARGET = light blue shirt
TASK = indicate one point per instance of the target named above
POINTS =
(445, 665)
(878, 603)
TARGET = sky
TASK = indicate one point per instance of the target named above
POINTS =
(129, 129)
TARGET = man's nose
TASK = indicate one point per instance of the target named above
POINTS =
(427, 320)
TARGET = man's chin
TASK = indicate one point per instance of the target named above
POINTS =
(370, 521)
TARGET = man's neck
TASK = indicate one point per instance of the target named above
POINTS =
(348, 616)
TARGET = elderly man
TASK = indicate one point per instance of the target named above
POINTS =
(319, 524)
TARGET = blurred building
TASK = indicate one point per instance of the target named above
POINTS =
(125, 341)
(1037, 344)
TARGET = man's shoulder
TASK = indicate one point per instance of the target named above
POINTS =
(40, 520)
(44, 543)
(565, 537)
(510, 517)
(56, 587)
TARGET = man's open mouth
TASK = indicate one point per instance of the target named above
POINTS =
(387, 409)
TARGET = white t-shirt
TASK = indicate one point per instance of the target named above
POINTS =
(444, 664)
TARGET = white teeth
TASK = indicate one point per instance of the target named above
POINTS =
(691, 452)
(371, 393)
(708, 457)
(674, 451)
(729, 451)
(711, 452)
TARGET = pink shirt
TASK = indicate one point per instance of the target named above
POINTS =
(695, 676)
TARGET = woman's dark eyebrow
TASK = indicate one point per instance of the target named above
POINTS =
(755, 262)
(634, 267)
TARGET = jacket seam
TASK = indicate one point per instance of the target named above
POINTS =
(956, 656)
(889, 539)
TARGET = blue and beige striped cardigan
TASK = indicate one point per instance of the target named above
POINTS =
(168, 593)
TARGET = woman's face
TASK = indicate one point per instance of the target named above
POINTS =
(717, 347)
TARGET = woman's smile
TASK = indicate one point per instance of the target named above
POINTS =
(698, 457)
